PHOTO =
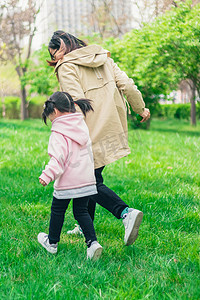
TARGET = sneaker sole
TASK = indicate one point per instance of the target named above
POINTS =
(134, 232)
(97, 254)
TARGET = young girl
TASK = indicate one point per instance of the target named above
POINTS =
(71, 166)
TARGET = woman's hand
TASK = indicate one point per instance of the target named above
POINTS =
(42, 182)
(146, 115)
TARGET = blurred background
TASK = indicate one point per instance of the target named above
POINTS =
(157, 43)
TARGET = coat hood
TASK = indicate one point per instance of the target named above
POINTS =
(72, 126)
(92, 56)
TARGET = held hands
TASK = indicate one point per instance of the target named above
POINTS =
(42, 182)
(145, 115)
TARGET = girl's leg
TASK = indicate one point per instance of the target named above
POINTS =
(58, 209)
(80, 210)
(106, 197)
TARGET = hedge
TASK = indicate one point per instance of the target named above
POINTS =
(12, 107)
(35, 108)
(178, 111)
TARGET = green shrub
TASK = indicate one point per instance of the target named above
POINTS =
(182, 111)
(35, 107)
(157, 111)
(12, 107)
(178, 111)
(169, 110)
(198, 109)
(134, 123)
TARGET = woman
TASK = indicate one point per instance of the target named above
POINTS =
(89, 72)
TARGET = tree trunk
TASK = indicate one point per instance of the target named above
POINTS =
(193, 107)
(3, 108)
(24, 110)
(3, 103)
(148, 123)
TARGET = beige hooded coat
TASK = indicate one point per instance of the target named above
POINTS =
(90, 73)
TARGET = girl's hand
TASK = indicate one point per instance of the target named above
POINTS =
(146, 115)
(42, 182)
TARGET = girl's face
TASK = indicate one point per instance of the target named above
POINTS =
(53, 115)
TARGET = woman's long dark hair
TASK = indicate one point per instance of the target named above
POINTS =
(63, 43)
(64, 103)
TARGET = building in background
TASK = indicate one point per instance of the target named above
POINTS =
(82, 17)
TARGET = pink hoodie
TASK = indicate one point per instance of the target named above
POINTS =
(71, 164)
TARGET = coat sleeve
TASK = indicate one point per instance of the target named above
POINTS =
(128, 88)
(69, 81)
(58, 152)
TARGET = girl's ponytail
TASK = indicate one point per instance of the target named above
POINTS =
(49, 106)
(85, 105)
(63, 102)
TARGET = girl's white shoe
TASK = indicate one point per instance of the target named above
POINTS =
(43, 239)
(94, 251)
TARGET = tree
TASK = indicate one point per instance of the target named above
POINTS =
(136, 55)
(180, 47)
(105, 21)
(146, 11)
(163, 53)
(17, 25)
(41, 77)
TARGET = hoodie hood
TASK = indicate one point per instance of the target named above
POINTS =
(92, 56)
(72, 126)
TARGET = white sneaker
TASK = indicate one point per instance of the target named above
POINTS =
(132, 223)
(44, 241)
(94, 251)
(76, 230)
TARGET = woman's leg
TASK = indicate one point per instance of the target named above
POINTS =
(106, 197)
(132, 218)
(91, 207)
(58, 209)
(80, 210)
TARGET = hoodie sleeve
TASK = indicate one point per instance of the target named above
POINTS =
(128, 88)
(58, 152)
(69, 81)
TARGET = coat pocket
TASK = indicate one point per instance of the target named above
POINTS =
(94, 78)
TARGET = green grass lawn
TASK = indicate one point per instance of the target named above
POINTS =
(160, 177)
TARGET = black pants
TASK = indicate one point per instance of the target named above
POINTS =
(105, 197)
(80, 211)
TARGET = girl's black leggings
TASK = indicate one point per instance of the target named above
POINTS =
(105, 197)
(80, 211)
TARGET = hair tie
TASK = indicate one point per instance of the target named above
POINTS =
(50, 101)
